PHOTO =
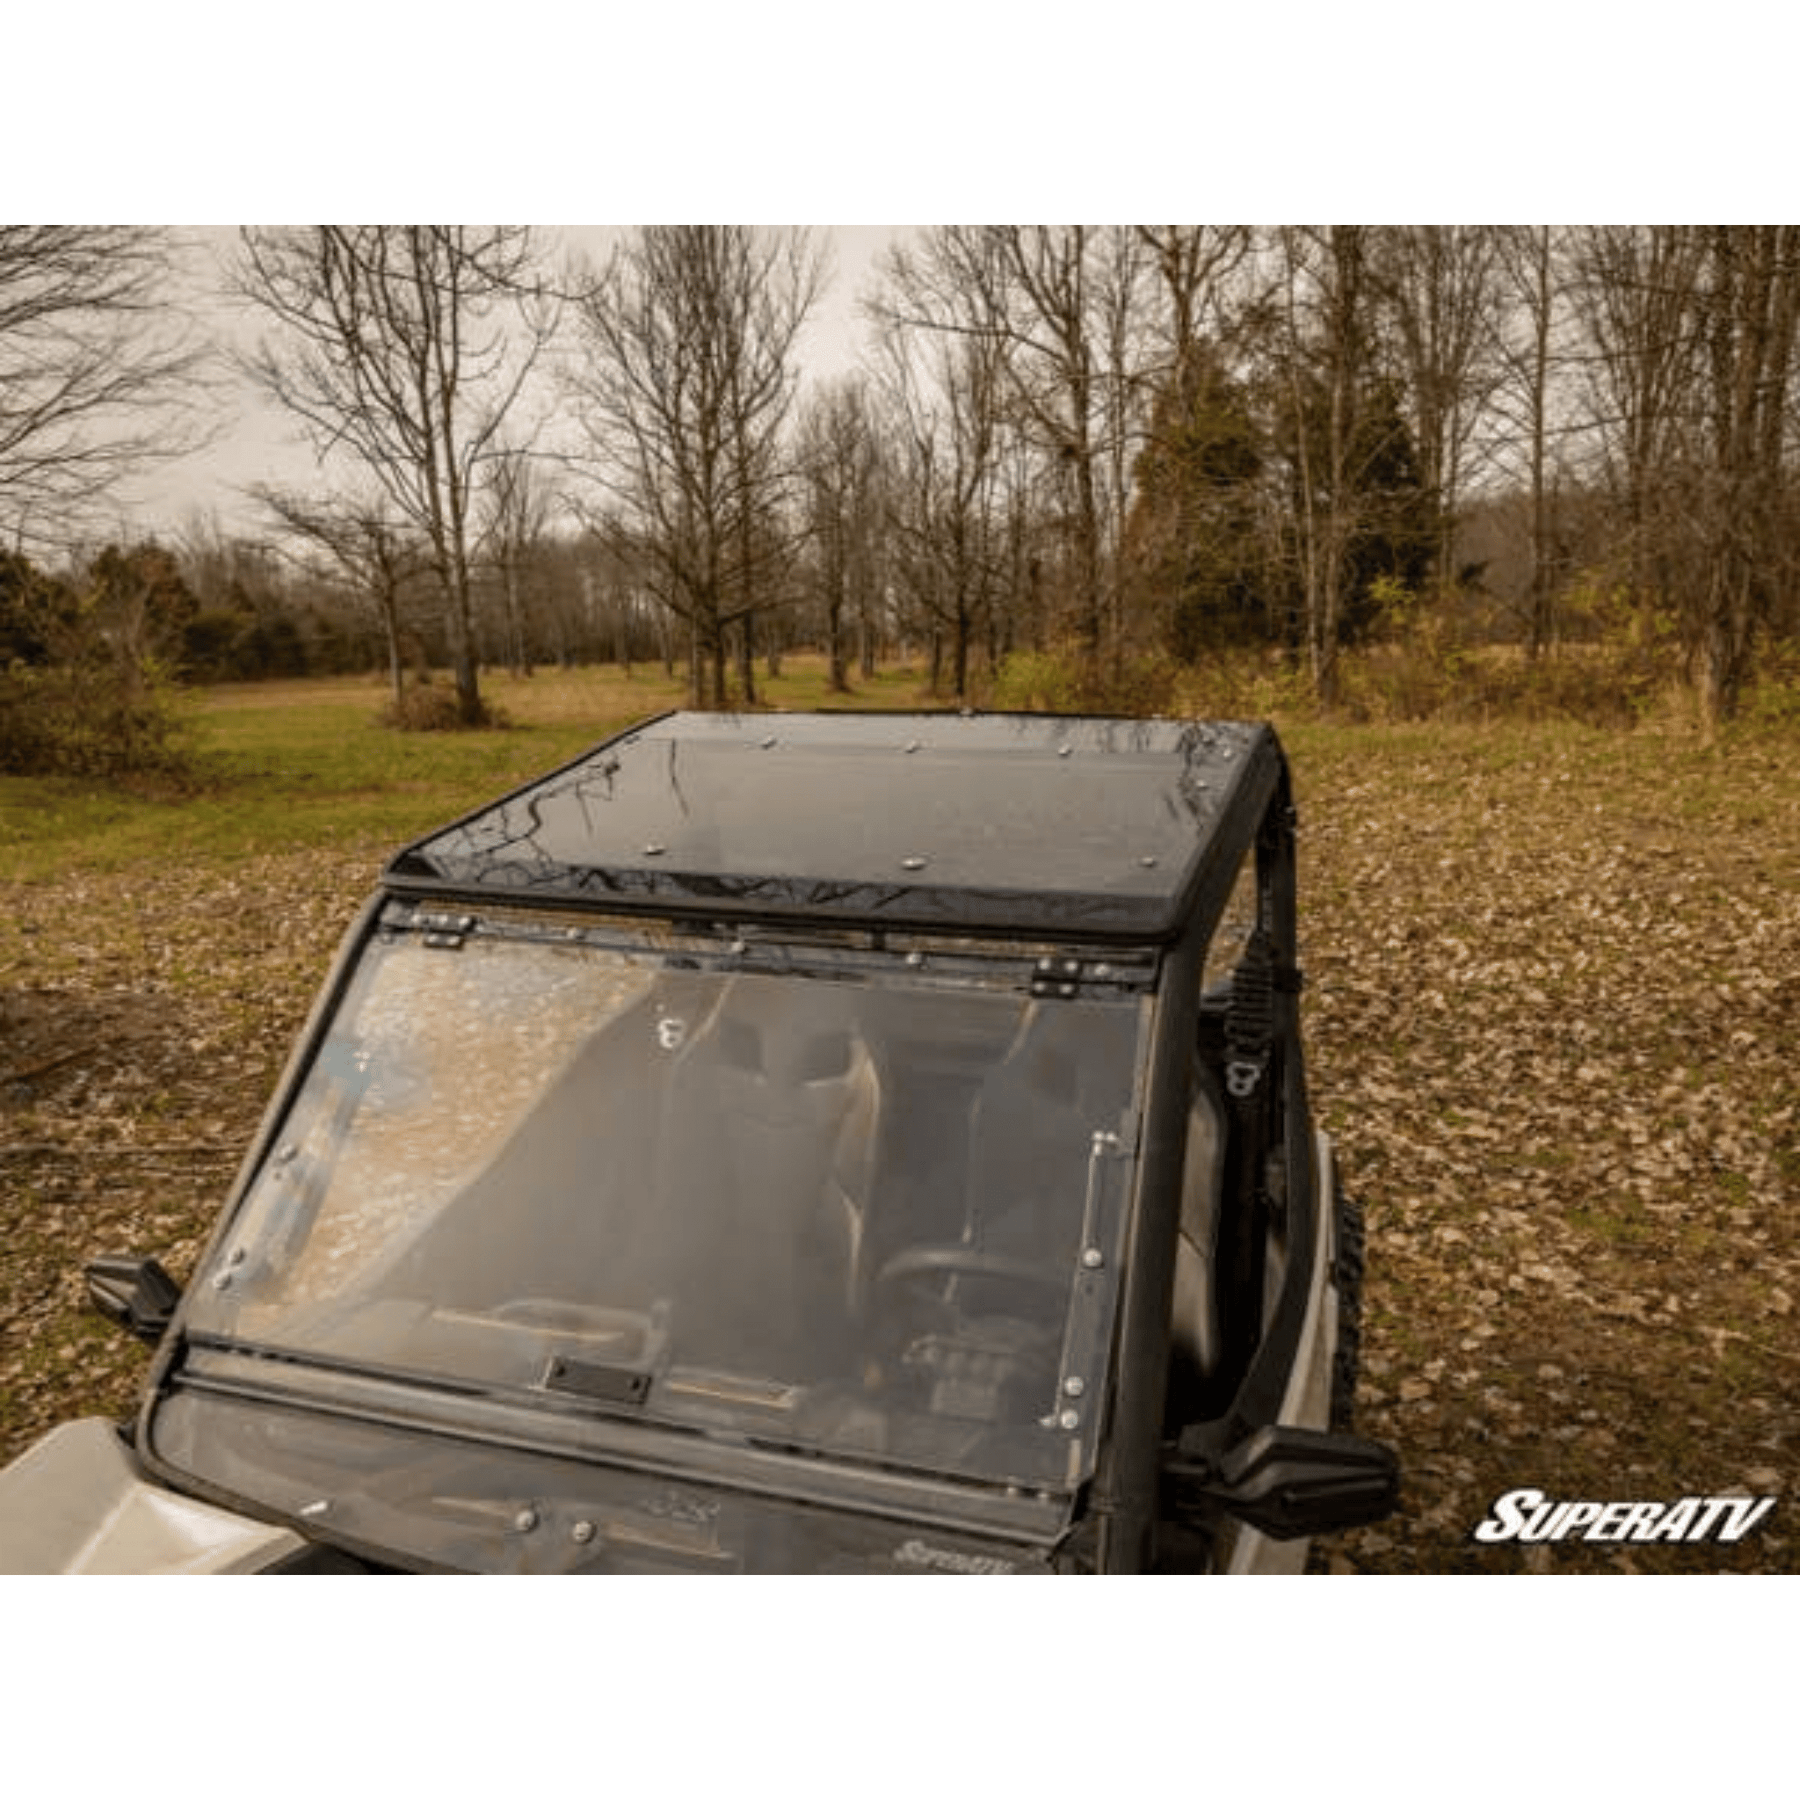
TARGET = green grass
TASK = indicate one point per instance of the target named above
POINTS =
(293, 765)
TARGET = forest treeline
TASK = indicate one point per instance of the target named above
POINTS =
(1108, 454)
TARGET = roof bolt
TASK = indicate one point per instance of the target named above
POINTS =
(583, 1533)
(654, 849)
(1046, 964)
(1064, 749)
(911, 745)
(739, 947)
(915, 959)
(768, 743)
(1069, 1420)
(1102, 971)
(1146, 862)
(1093, 1258)
(222, 1280)
(912, 862)
(525, 1519)
(1074, 1387)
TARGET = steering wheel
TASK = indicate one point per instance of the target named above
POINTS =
(921, 1262)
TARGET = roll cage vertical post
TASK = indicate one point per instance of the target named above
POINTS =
(1125, 1494)
(1258, 1398)
(1125, 1499)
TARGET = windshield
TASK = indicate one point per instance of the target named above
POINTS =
(871, 1207)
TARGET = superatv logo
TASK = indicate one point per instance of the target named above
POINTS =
(1526, 1516)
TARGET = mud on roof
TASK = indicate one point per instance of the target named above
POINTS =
(992, 821)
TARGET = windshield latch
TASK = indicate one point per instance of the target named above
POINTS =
(621, 1385)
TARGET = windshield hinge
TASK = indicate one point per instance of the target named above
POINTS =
(443, 931)
(1068, 977)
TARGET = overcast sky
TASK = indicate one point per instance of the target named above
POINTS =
(258, 443)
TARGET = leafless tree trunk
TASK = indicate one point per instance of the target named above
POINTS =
(943, 417)
(1530, 263)
(1635, 288)
(1750, 296)
(393, 347)
(1693, 331)
(1324, 300)
(518, 514)
(1196, 268)
(1057, 302)
(684, 394)
(838, 459)
(369, 546)
(1439, 290)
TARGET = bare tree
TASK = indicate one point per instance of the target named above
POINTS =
(94, 365)
(1750, 301)
(518, 508)
(1059, 303)
(684, 393)
(1439, 291)
(405, 347)
(1634, 287)
(1525, 403)
(840, 466)
(945, 424)
(1693, 334)
(1321, 361)
(370, 547)
(1195, 269)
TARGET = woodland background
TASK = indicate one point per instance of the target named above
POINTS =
(1409, 471)
(1498, 524)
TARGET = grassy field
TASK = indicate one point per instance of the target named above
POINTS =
(1553, 1002)
(284, 765)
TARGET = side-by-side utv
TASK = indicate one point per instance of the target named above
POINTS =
(859, 1142)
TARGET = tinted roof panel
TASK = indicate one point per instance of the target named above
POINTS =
(989, 819)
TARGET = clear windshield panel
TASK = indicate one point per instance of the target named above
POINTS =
(862, 1216)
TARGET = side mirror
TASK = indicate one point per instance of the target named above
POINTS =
(1286, 1481)
(134, 1291)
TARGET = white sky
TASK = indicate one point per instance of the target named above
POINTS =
(258, 443)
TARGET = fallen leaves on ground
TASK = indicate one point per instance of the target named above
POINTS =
(1553, 1002)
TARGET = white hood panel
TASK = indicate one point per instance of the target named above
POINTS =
(74, 1504)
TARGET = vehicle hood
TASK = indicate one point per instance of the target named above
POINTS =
(76, 1503)
(80, 1502)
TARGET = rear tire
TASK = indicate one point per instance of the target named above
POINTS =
(1347, 1277)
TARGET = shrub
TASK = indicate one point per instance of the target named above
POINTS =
(424, 707)
(1063, 681)
(90, 721)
